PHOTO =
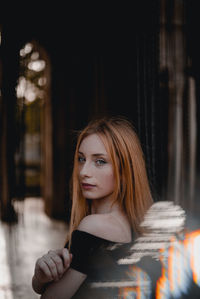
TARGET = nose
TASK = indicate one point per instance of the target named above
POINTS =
(85, 170)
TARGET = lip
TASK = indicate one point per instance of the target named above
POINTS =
(87, 186)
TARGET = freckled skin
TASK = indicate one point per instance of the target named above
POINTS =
(95, 169)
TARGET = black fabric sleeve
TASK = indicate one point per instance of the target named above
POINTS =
(83, 247)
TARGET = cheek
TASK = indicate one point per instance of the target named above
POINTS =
(108, 179)
(78, 170)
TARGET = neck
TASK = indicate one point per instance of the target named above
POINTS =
(103, 206)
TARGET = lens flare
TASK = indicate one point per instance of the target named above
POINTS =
(180, 266)
(142, 288)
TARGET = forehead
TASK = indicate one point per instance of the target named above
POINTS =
(92, 144)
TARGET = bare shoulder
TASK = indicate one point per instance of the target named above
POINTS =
(92, 223)
(106, 226)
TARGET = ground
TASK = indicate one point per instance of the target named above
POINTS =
(21, 244)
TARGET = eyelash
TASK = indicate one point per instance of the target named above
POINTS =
(99, 162)
(102, 162)
(80, 159)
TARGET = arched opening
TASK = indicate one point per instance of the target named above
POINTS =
(33, 156)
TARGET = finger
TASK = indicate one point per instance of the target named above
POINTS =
(52, 267)
(42, 266)
(57, 257)
(64, 254)
(66, 257)
(59, 263)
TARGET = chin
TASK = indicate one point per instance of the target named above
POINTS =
(90, 196)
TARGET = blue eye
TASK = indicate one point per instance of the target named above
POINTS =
(81, 159)
(100, 162)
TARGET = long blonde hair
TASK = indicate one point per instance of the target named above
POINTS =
(132, 189)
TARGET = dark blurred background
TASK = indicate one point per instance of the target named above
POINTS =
(62, 66)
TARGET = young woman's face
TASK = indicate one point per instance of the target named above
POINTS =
(95, 169)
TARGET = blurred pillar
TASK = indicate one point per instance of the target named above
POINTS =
(9, 57)
(47, 185)
(191, 166)
(173, 60)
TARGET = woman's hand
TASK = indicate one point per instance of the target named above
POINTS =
(51, 267)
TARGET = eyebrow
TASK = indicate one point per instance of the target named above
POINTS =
(95, 155)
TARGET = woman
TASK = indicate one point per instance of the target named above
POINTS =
(110, 195)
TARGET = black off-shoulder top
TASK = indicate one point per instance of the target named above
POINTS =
(97, 258)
